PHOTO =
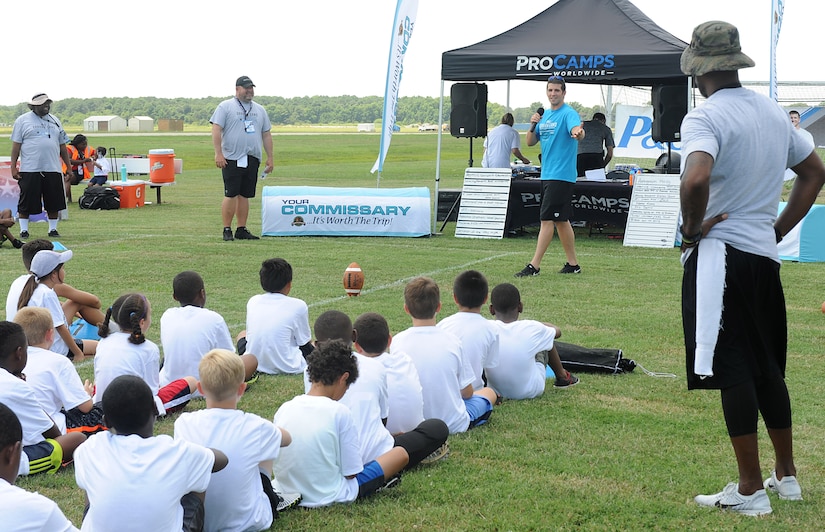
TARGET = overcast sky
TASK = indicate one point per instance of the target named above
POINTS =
(174, 48)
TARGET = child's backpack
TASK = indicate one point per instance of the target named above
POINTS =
(98, 197)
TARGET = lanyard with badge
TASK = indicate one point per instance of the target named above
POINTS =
(248, 125)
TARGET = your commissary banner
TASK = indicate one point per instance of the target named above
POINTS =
(330, 211)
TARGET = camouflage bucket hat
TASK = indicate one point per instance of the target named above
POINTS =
(714, 47)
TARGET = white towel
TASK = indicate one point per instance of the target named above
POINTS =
(710, 289)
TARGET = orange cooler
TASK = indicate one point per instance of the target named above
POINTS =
(132, 193)
(162, 166)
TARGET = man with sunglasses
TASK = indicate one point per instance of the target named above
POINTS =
(39, 141)
(558, 130)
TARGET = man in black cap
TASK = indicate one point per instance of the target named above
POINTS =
(39, 141)
(239, 127)
(733, 306)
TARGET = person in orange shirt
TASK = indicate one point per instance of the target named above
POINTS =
(83, 160)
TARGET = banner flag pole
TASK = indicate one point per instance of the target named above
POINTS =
(402, 30)
(777, 9)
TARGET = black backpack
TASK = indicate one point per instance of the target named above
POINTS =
(98, 197)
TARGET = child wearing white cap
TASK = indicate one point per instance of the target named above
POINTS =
(38, 291)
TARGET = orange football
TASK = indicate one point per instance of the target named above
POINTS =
(353, 279)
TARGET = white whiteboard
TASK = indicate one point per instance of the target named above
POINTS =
(484, 197)
(654, 211)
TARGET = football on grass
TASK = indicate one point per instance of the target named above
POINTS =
(353, 279)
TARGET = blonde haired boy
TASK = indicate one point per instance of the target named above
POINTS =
(240, 497)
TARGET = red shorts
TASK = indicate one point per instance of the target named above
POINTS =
(175, 395)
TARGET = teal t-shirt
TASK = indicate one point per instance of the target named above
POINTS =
(558, 148)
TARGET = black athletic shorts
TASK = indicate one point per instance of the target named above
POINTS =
(753, 339)
(240, 181)
(556, 200)
(39, 191)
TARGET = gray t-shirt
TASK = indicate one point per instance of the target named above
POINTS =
(752, 142)
(242, 124)
(596, 136)
(40, 138)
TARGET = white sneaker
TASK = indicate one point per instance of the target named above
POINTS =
(730, 499)
(787, 488)
(288, 500)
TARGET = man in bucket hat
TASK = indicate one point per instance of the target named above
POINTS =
(39, 141)
(733, 307)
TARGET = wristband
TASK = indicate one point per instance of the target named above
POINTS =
(690, 240)
(778, 234)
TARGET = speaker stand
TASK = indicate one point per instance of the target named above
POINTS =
(669, 161)
(471, 152)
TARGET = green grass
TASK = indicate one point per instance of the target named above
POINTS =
(614, 453)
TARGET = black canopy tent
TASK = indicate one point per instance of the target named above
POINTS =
(605, 42)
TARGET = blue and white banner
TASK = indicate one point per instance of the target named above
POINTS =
(777, 9)
(633, 135)
(402, 29)
(331, 211)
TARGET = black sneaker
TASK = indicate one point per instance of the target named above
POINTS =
(54, 233)
(24, 234)
(227, 234)
(389, 484)
(568, 381)
(17, 243)
(528, 271)
(570, 269)
(242, 233)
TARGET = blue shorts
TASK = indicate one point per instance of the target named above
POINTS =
(370, 479)
(479, 409)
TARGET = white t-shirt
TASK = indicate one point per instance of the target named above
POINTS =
(499, 146)
(519, 376)
(748, 164)
(117, 356)
(235, 499)
(13, 296)
(23, 511)
(324, 451)
(19, 396)
(136, 483)
(405, 400)
(276, 325)
(105, 167)
(479, 341)
(438, 358)
(187, 334)
(367, 400)
(44, 297)
(55, 382)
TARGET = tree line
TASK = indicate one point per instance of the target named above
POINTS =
(303, 110)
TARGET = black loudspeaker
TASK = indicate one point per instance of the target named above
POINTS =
(468, 110)
(669, 108)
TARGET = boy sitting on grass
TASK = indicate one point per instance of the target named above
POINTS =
(446, 378)
(277, 326)
(479, 337)
(368, 400)
(20, 509)
(44, 448)
(526, 349)
(323, 463)
(61, 393)
(241, 496)
(189, 331)
(136, 481)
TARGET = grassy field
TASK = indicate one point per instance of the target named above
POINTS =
(615, 453)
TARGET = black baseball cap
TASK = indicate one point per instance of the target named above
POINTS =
(244, 81)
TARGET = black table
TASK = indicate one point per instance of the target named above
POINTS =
(605, 202)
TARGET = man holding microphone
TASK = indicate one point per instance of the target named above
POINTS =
(559, 129)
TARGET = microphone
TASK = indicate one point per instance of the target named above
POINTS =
(540, 111)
